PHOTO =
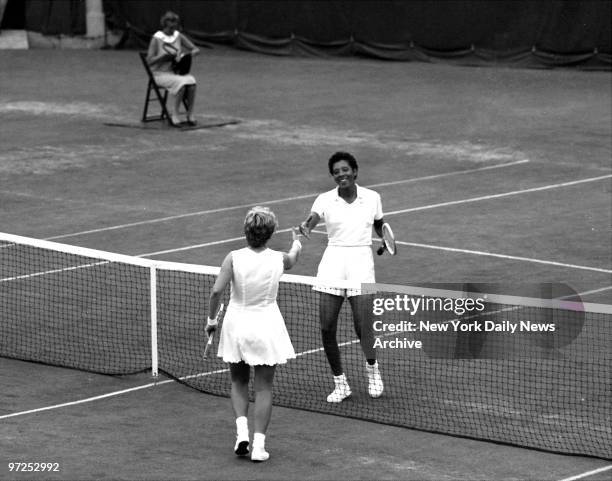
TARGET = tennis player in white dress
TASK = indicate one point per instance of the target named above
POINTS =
(349, 212)
(253, 332)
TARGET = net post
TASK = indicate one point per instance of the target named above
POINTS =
(153, 289)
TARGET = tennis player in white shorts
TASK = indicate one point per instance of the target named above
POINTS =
(349, 212)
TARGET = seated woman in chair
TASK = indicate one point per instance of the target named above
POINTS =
(167, 53)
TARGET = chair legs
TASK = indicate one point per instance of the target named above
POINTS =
(154, 94)
(159, 95)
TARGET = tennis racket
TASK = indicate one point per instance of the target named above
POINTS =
(211, 338)
(388, 241)
(303, 227)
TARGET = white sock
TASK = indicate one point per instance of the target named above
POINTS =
(341, 379)
(259, 439)
(242, 427)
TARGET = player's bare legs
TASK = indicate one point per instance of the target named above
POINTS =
(264, 379)
(240, 373)
(174, 102)
(240, 388)
(329, 309)
(190, 95)
(362, 320)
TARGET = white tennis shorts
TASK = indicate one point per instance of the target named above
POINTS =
(354, 264)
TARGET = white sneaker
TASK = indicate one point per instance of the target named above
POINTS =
(259, 454)
(341, 391)
(375, 383)
(241, 448)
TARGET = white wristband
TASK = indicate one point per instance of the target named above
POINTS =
(297, 244)
(212, 322)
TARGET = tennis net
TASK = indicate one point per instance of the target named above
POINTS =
(450, 361)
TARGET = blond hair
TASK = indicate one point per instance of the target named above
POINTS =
(259, 225)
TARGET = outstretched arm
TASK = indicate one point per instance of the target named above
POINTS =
(291, 257)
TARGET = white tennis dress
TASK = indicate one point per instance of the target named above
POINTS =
(253, 329)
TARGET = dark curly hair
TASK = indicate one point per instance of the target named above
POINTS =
(337, 157)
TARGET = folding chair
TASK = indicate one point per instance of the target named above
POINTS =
(161, 95)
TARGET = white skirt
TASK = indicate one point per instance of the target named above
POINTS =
(173, 82)
(255, 335)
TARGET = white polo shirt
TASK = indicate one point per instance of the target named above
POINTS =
(349, 225)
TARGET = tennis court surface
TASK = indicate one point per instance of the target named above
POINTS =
(493, 180)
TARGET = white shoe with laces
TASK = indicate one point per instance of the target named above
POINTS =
(341, 391)
(241, 448)
(375, 383)
(259, 454)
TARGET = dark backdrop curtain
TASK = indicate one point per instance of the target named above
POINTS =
(523, 32)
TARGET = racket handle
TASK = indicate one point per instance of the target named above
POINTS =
(212, 334)
(381, 250)
(303, 230)
(209, 344)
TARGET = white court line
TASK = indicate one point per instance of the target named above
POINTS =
(588, 473)
(197, 246)
(110, 394)
(277, 201)
(146, 386)
(415, 209)
(206, 244)
(448, 174)
(595, 291)
(492, 254)
(506, 256)
(498, 196)
(81, 401)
